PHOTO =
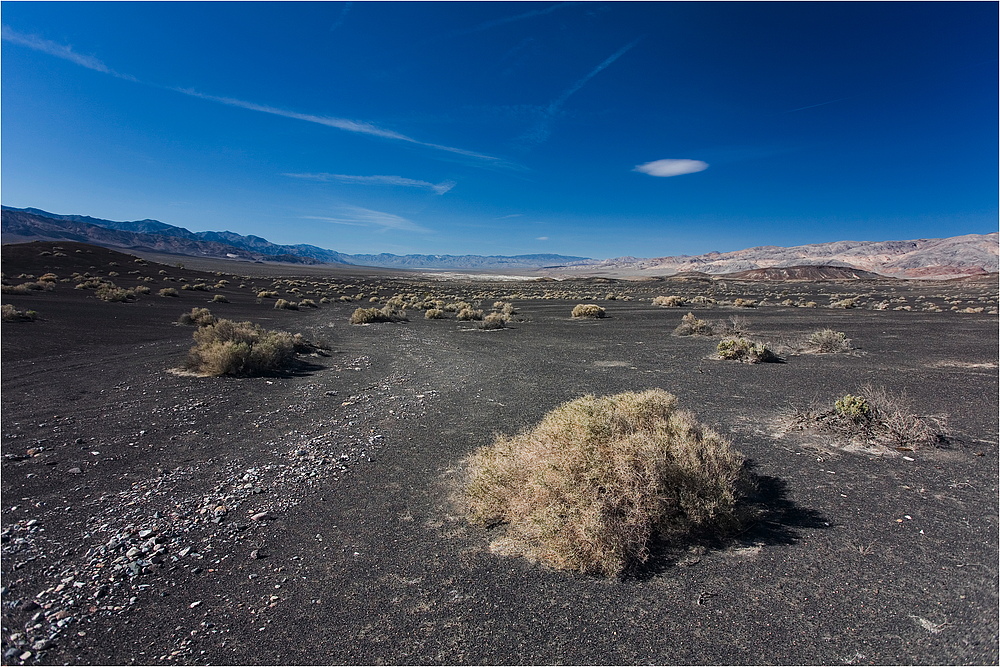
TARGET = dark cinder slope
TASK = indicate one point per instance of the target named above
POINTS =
(306, 517)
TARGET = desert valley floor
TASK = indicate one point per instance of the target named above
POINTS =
(155, 517)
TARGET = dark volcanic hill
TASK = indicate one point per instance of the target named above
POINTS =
(808, 272)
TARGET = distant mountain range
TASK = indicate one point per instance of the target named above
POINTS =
(954, 257)
(32, 224)
(958, 256)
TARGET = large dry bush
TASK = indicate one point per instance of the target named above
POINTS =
(239, 349)
(598, 479)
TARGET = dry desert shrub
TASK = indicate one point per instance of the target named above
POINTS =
(200, 317)
(113, 293)
(168, 291)
(467, 314)
(239, 349)
(493, 321)
(284, 304)
(598, 479)
(307, 303)
(373, 315)
(827, 341)
(220, 298)
(589, 310)
(745, 350)
(745, 303)
(672, 301)
(875, 416)
(434, 314)
(692, 326)
(12, 314)
(28, 287)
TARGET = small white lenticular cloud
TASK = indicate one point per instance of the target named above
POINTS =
(671, 167)
(542, 238)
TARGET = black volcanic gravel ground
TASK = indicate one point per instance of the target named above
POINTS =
(153, 518)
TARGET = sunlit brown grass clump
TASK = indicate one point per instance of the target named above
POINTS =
(598, 479)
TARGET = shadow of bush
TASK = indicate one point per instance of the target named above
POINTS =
(768, 517)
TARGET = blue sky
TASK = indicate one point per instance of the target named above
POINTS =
(599, 129)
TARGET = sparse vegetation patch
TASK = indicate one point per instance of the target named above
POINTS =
(874, 417)
(12, 314)
(692, 326)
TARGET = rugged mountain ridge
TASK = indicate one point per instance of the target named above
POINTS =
(32, 224)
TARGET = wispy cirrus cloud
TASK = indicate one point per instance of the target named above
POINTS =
(332, 121)
(437, 188)
(543, 128)
(671, 167)
(486, 25)
(90, 62)
(357, 216)
(343, 15)
(59, 51)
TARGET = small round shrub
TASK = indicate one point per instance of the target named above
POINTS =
(434, 314)
(672, 301)
(113, 293)
(855, 408)
(828, 341)
(493, 321)
(589, 310)
(307, 303)
(745, 350)
(201, 317)
(598, 479)
(692, 326)
(168, 291)
(284, 304)
(851, 302)
(220, 298)
(467, 314)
